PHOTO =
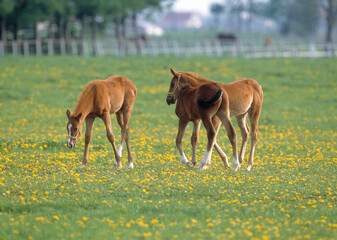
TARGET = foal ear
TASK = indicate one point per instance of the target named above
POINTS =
(68, 113)
(173, 72)
(77, 118)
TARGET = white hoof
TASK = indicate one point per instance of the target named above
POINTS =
(235, 167)
(82, 166)
(202, 166)
(120, 149)
(190, 164)
(205, 167)
(115, 163)
(249, 168)
(130, 165)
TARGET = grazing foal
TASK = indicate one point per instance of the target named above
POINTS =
(239, 98)
(100, 98)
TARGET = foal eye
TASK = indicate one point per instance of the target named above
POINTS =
(172, 84)
(75, 128)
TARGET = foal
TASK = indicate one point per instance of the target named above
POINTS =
(242, 97)
(100, 98)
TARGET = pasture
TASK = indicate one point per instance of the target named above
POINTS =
(290, 193)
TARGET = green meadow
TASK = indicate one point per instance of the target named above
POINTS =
(290, 193)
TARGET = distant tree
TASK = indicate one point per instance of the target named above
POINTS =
(63, 11)
(330, 9)
(298, 17)
(217, 9)
(91, 9)
(6, 7)
(33, 12)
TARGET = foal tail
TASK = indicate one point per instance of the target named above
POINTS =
(205, 91)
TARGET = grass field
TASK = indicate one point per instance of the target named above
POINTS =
(291, 192)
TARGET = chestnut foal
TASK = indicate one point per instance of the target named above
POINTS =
(239, 98)
(100, 98)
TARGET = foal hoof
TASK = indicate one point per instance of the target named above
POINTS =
(81, 166)
(190, 164)
(203, 166)
(130, 165)
(235, 167)
(249, 168)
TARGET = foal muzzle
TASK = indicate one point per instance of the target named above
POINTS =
(170, 100)
(71, 144)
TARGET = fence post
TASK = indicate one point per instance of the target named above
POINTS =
(85, 48)
(165, 47)
(50, 47)
(2, 49)
(218, 48)
(63, 46)
(14, 48)
(238, 48)
(252, 49)
(208, 49)
(26, 48)
(74, 51)
(38, 47)
(176, 48)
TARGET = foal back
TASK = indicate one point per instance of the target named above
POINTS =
(243, 94)
(113, 94)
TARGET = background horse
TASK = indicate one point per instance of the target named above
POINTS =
(100, 98)
(243, 96)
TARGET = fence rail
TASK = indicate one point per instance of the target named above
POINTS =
(166, 47)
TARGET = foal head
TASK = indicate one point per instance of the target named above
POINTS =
(178, 83)
(74, 128)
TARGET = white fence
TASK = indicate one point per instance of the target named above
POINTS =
(166, 47)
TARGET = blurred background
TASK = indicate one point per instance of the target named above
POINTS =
(251, 28)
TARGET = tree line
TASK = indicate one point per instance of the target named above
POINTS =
(296, 17)
(19, 18)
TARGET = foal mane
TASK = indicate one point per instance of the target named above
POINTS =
(86, 97)
(197, 77)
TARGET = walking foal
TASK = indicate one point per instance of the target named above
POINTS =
(100, 98)
(241, 97)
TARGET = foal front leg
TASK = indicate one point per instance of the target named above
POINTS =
(89, 122)
(194, 142)
(232, 138)
(181, 131)
(111, 137)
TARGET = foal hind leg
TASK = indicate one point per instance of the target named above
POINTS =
(111, 137)
(231, 133)
(242, 122)
(89, 122)
(211, 134)
(217, 124)
(119, 116)
(194, 142)
(125, 135)
(254, 115)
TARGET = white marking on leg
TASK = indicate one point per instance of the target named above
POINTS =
(205, 159)
(236, 164)
(183, 158)
(69, 134)
(248, 168)
(120, 150)
(131, 165)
